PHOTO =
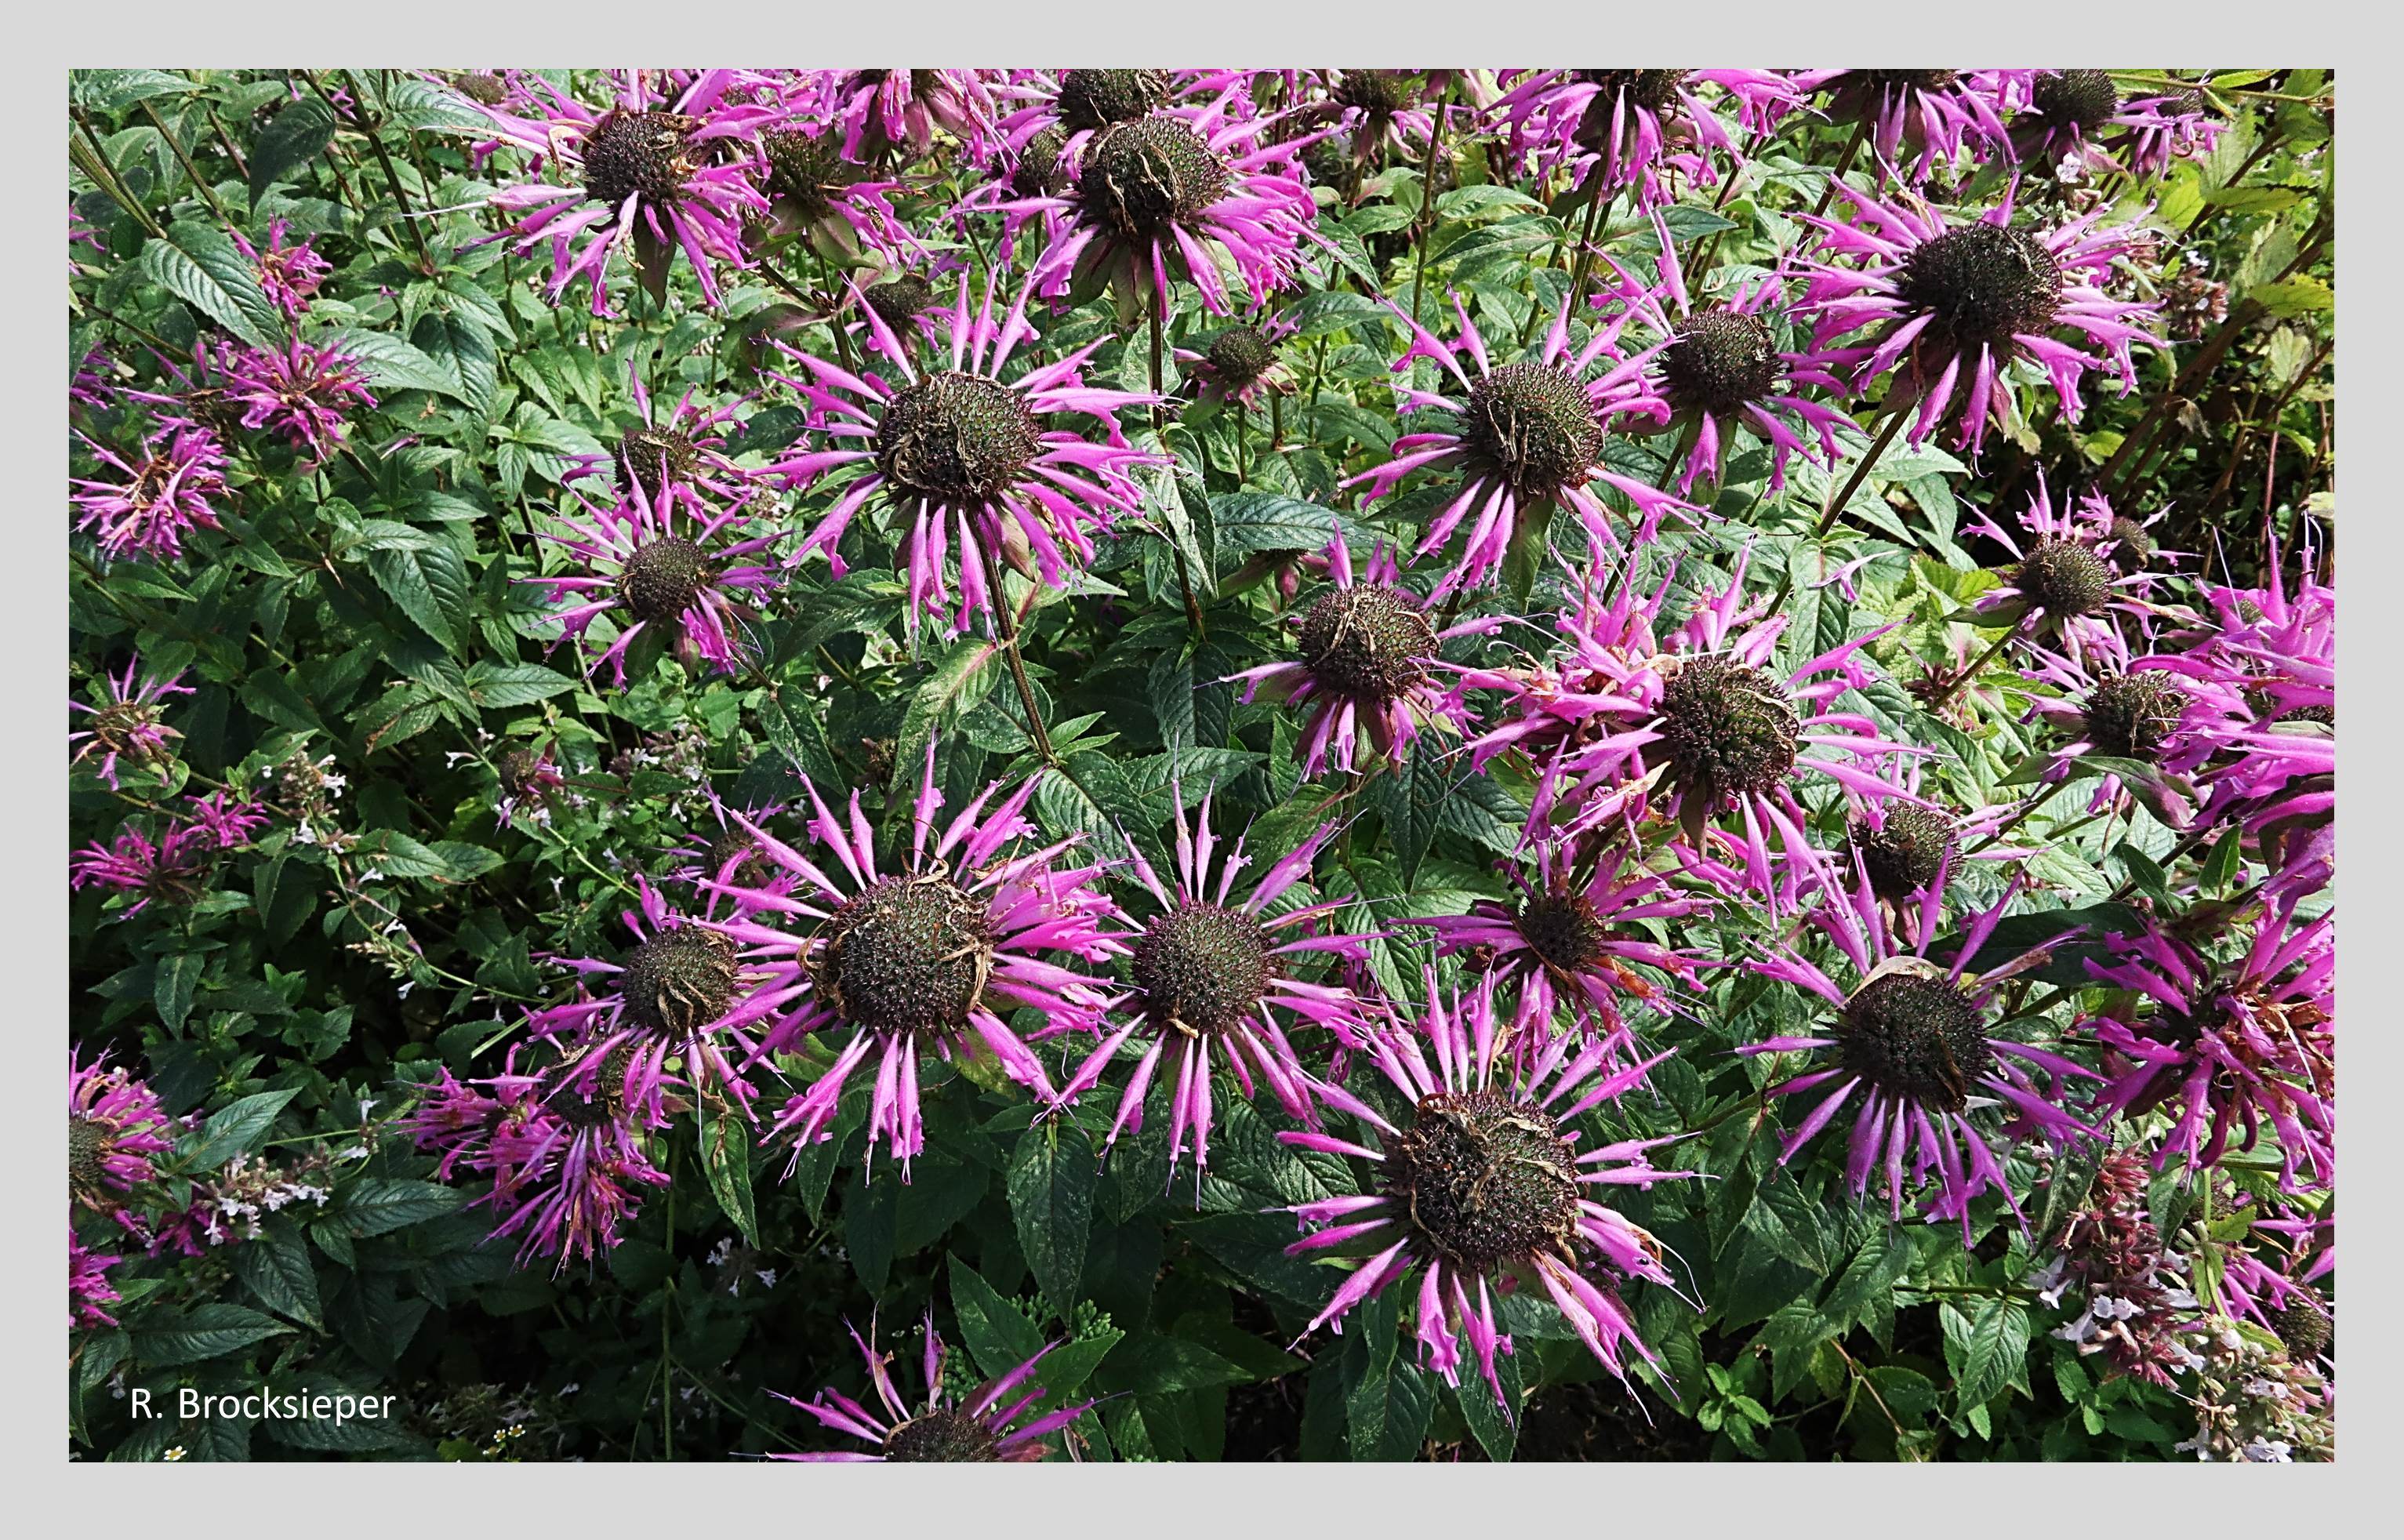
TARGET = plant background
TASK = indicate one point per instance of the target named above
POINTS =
(365, 611)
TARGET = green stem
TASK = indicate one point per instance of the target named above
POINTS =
(1427, 202)
(1860, 473)
(391, 176)
(1971, 671)
(1844, 165)
(1005, 620)
(1585, 251)
(94, 160)
(200, 184)
(2021, 816)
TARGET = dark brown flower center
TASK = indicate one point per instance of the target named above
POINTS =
(2304, 1327)
(663, 578)
(1369, 641)
(151, 482)
(751, 867)
(517, 770)
(956, 438)
(592, 1107)
(87, 1152)
(1905, 854)
(1722, 362)
(2133, 547)
(679, 981)
(1485, 1180)
(1202, 967)
(909, 954)
(2211, 1015)
(898, 300)
(1982, 284)
(1917, 1040)
(1884, 80)
(1532, 423)
(951, 1436)
(1037, 172)
(1097, 98)
(2083, 99)
(2065, 578)
(2132, 716)
(1564, 929)
(654, 456)
(1239, 356)
(807, 171)
(1649, 89)
(1726, 729)
(1143, 177)
(645, 153)
(1380, 93)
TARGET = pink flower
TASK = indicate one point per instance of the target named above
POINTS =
(1366, 669)
(1482, 1189)
(921, 953)
(288, 275)
(1213, 975)
(164, 496)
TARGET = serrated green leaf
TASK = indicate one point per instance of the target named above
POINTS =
(203, 1332)
(1051, 1180)
(296, 136)
(201, 266)
(430, 585)
(391, 363)
(502, 685)
(381, 1205)
(276, 1269)
(236, 1129)
(726, 1155)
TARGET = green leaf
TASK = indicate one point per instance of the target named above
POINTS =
(1163, 1365)
(296, 136)
(1986, 1352)
(1269, 521)
(1411, 798)
(110, 91)
(177, 975)
(2074, 935)
(962, 677)
(380, 1205)
(1052, 1202)
(276, 1269)
(429, 585)
(1333, 310)
(1492, 1423)
(392, 364)
(501, 685)
(1868, 1280)
(206, 1332)
(726, 1155)
(1906, 1393)
(1386, 1414)
(423, 105)
(999, 1336)
(870, 1214)
(400, 855)
(237, 1130)
(2301, 295)
(458, 347)
(201, 266)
